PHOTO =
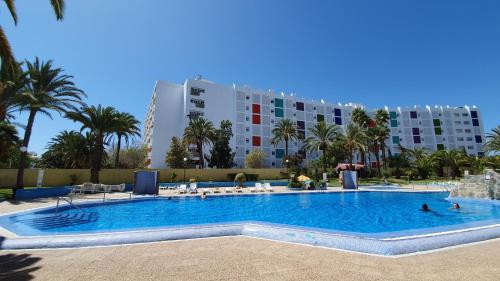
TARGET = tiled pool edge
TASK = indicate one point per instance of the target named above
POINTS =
(383, 247)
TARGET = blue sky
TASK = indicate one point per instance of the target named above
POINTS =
(372, 52)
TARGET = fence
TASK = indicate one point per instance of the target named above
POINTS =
(62, 177)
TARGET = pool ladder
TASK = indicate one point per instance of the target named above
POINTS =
(70, 202)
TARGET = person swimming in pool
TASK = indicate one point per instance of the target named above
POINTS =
(455, 206)
(425, 208)
(203, 195)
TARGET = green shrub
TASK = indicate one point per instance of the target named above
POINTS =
(192, 180)
(248, 177)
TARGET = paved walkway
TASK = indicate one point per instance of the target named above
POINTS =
(242, 258)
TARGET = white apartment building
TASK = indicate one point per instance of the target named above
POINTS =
(253, 114)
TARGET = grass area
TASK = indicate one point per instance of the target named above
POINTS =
(392, 180)
(5, 194)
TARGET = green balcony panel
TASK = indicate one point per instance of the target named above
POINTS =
(278, 102)
(437, 130)
(437, 123)
(393, 115)
(394, 123)
(320, 118)
(280, 153)
(440, 146)
(278, 112)
(395, 139)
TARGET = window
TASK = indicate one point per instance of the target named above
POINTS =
(196, 91)
(256, 141)
(467, 131)
(338, 120)
(460, 131)
(301, 125)
(279, 112)
(395, 139)
(479, 139)
(437, 131)
(256, 119)
(394, 123)
(465, 114)
(458, 122)
(256, 108)
(470, 147)
(466, 122)
(278, 102)
(320, 118)
(198, 103)
(300, 106)
(280, 153)
(475, 122)
(393, 114)
(460, 139)
(416, 131)
(413, 114)
(440, 146)
(469, 138)
(337, 112)
(436, 122)
(456, 114)
(473, 114)
(416, 139)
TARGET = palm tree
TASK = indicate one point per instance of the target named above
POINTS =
(48, 90)
(451, 159)
(72, 149)
(360, 117)
(355, 139)
(5, 49)
(8, 137)
(285, 130)
(13, 80)
(101, 122)
(493, 140)
(382, 118)
(199, 132)
(321, 137)
(127, 128)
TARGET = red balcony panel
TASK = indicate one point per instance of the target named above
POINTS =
(256, 141)
(256, 108)
(255, 119)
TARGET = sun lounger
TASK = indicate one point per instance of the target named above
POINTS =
(268, 187)
(217, 190)
(88, 187)
(259, 187)
(193, 188)
(253, 189)
(228, 189)
(207, 190)
(183, 189)
(77, 189)
(238, 189)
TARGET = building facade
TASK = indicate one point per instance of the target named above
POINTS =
(254, 113)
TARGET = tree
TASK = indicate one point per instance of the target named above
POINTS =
(321, 138)
(284, 131)
(255, 159)
(127, 128)
(5, 49)
(451, 160)
(101, 122)
(68, 150)
(48, 90)
(199, 132)
(8, 138)
(355, 139)
(382, 119)
(423, 166)
(221, 155)
(398, 162)
(493, 140)
(361, 118)
(176, 154)
(13, 81)
(132, 157)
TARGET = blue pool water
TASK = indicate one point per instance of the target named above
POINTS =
(353, 212)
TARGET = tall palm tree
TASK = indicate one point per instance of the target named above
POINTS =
(5, 49)
(321, 138)
(286, 131)
(101, 122)
(13, 81)
(48, 90)
(451, 159)
(127, 127)
(493, 140)
(199, 132)
(360, 117)
(355, 140)
(382, 118)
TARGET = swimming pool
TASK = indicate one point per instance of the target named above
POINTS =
(365, 214)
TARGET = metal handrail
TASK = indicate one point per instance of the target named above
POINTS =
(70, 202)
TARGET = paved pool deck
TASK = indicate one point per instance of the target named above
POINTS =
(243, 258)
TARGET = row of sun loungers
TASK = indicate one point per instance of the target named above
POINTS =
(97, 187)
(192, 188)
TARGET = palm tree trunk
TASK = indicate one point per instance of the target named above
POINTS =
(200, 150)
(118, 144)
(97, 160)
(324, 160)
(378, 162)
(24, 154)
(286, 149)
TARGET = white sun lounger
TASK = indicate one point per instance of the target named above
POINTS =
(228, 189)
(216, 190)
(193, 188)
(182, 189)
(259, 187)
(253, 188)
(207, 190)
(238, 189)
(268, 187)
